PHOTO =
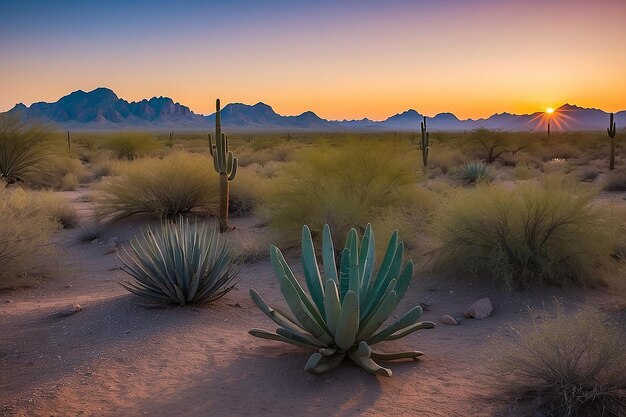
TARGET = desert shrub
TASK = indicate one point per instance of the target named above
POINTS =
(246, 191)
(475, 172)
(589, 173)
(615, 181)
(130, 145)
(523, 171)
(181, 263)
(575, 365)
(23, 149)
(165, 187)
(492, 145)
(23, 235)
(555, 165)
(344, 186)
(530, 235)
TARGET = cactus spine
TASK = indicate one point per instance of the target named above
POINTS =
(225, 165)
(611, 131)
(425, 143)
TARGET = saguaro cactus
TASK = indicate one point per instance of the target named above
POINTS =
(225, 164)
(425, 143)
(611, 131)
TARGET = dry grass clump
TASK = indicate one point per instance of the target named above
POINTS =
(524, 171)
(615, 181)
(475, 173)
(574, 365)
(44, 204)
(23, 235)
(535, 234)
(348, 185)
(164, 187)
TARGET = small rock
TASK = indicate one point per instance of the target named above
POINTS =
(448, 319)
(8, 301)
(481, 309)
(70, 310)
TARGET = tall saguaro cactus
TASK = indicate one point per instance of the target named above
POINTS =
(225, 164)
(611, 131)
(425, 143)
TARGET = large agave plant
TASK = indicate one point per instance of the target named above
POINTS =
(343, 309)
(181, 263)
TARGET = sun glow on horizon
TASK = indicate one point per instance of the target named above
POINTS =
(549, 110)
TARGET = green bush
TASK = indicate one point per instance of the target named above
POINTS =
(181, 263)
(529, 235)
(165, 187)
(344, 186)
(575, 365)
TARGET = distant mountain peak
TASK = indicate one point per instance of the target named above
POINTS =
(101, 108)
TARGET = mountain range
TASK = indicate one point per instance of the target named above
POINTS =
(102, 109)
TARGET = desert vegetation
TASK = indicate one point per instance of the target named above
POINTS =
(482, 212)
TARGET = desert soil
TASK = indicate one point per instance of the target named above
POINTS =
(118, 358)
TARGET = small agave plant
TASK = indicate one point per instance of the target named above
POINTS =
(182, 263)
(343, 309)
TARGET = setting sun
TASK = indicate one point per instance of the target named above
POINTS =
(549, 110)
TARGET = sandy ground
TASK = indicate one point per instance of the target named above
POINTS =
(117, 358)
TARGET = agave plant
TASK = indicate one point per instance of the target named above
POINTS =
(473, 172)
(343, 309)
(181, 263)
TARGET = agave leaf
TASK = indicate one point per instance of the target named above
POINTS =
(320, 364)
(404, 279)
(311, 270)
(387, 259)
(348, 323)
(282, 320)
(301, 311)
(412, 354)
(301, 337)
(381, 286)
(354, 276)
(367, 260)
(408, 330)
(363, 351)
(273, 336)
(405, 321)
(369, 365)
(281, 267)
(378, 316)
(344, 274)
(332, 305)
(328, 256)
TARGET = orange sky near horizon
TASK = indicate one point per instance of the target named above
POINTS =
(341, 62)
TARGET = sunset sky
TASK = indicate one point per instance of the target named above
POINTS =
(341, 59)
